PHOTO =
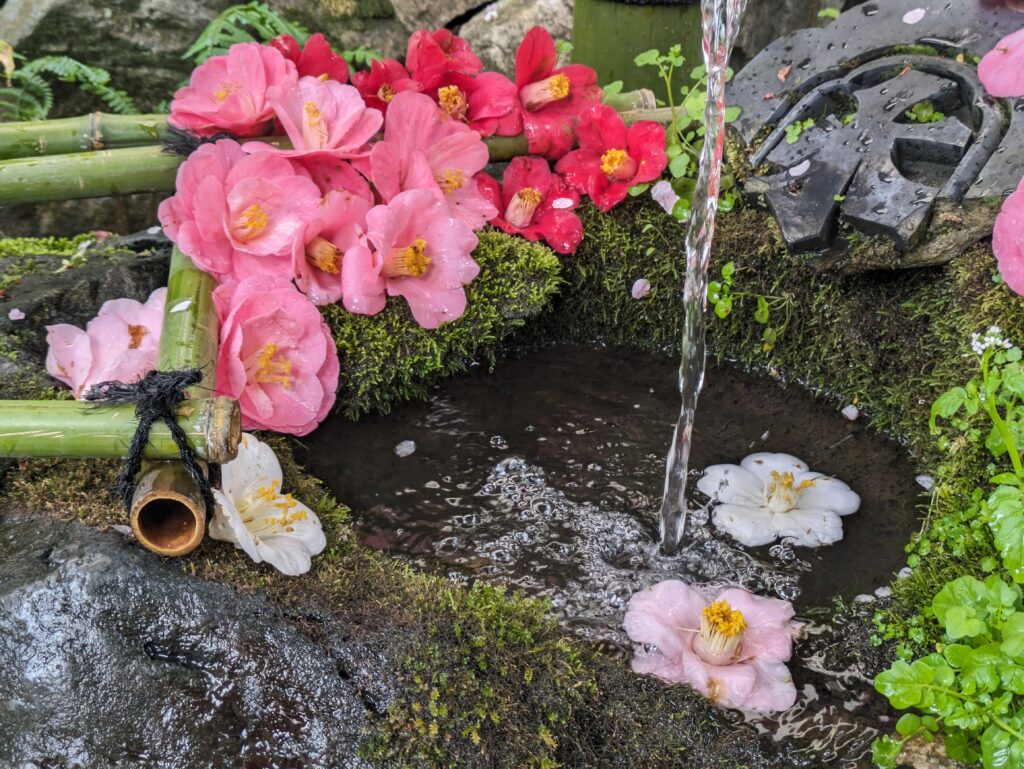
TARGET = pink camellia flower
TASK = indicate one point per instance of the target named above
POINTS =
(552, 99)
(322, 119)
(1001, 70)
(1008, 240)
(316, 260)
(422, 150)
(119, 344)
(418, 251)
(612, 158)
(334, 175)
(385, 79)
(731, 647)
(432, 55)
(535, 203)
(277, 356)
(238, 215)
(229, 93)
(315, 59)
(487, 103)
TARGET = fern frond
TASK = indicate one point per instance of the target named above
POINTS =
(251, 22)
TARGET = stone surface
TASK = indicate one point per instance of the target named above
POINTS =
(496, 31)
(765, 20)
(113, 657)
(930, 189)
(126, 213)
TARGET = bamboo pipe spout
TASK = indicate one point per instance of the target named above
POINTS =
(168, 515)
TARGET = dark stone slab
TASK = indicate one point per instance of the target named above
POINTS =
(863, 163)
(114, 658)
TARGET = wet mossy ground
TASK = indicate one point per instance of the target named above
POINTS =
(479, 677)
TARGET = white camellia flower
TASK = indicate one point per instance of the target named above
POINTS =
(772, 496)
(253, 514)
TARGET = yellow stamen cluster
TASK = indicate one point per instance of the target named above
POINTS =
(409, 262)
(252, 222)
(315, 121)
(523, 205)
(324, 255)
(272, 367)
(385, 93)
(136, 333)
(450, 180)
(452, 101)
(226, 89)
(558, 86)
(785, 481)
(783, 491)
(612, 161)
(721, 633)
(286, 504)
(530, 196)
(269, 493)
(724, 619)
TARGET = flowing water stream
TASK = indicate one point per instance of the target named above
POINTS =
(721, 20)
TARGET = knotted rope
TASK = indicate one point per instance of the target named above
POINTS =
(156, 397)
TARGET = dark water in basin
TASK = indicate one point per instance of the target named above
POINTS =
(550, 469)
(547, 475)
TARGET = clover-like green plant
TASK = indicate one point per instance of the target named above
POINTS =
(685, 134)
(722, 293)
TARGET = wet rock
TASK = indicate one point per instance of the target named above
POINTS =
(763, 22)
(496, 31)
(927, 755)
(67, 218)
(113, 657)
(845, 149)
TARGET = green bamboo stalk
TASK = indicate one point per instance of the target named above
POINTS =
(82, 429)
(190, 332)
(148, 169)
(84, 133)
(88, 175)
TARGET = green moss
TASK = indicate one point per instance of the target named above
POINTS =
(387, 358)
(41, 246)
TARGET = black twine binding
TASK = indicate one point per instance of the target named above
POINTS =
(184, 143)
(156, 396)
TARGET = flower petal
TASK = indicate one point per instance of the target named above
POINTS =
(750, 526)
(827, 493)
(774, 690)
(764, 463)
(810, 527)
(732, 484)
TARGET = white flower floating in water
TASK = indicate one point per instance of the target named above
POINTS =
(252, 512)
(770, 496)
(730, 645)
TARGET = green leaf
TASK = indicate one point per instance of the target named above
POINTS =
(1009, 540)
(885, 752)
(1000, 749)
(947, 404)
(908, 725)
(723, 307)
(647, 58)
(762, 312)
(638, 189)
(961, 622)
(613, 88)
(828, 13)
(962, 599)
(961, 747)
(1013, 635)
(728, 269)
(679, 165)
(732, 114)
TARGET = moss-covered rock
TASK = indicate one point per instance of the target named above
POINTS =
(388, 357)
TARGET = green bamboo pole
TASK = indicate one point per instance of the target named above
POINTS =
(83, 429)
(84, 133)
(168, 512)
(88, 175)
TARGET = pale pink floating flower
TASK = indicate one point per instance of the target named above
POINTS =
(16, 314)
(119, 344)
(1008, 240)
(732, 646)
(1001, 70)
(277, 356)
(229, 93)
(321, 118)
(239, 215)
(418, 251)
(771, 496)
(422, 149)
(252, 513)
(665, 196)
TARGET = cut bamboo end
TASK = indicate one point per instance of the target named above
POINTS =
(223, 429)
(168, 515)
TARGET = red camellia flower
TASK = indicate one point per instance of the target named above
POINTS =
(316, 59)
(487, 103)
(432, 55)
(535, 203)
(385, 78)
(612, 158)
(552, 99)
